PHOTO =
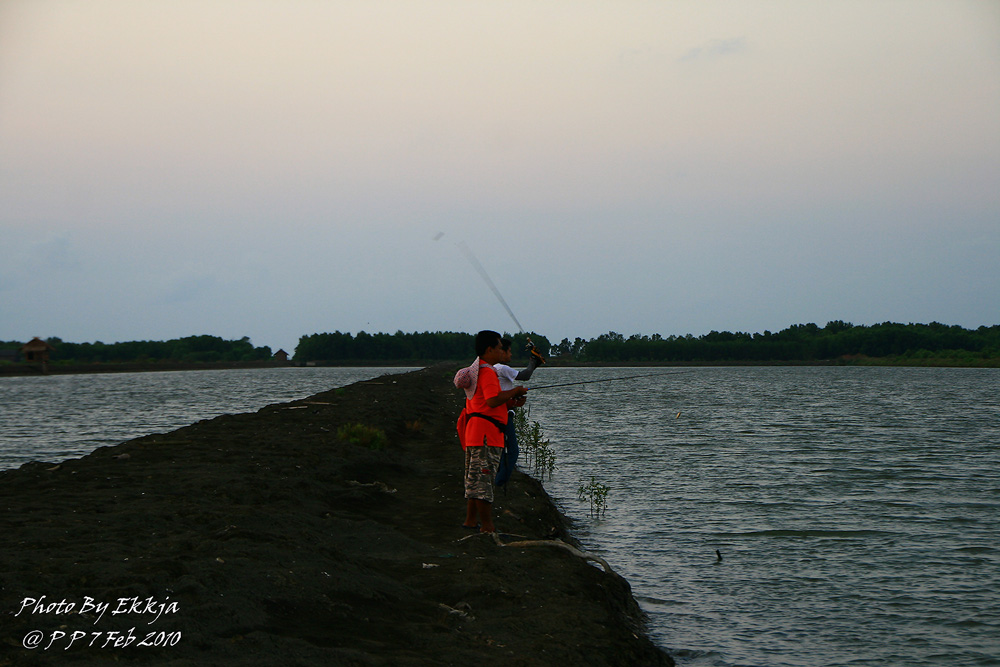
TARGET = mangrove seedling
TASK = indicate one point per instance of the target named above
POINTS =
(538, 455)
(597, 494)
(545, 458)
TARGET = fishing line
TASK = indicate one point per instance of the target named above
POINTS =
(479, 267)
(627, 377)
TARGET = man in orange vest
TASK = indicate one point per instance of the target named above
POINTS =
(484, 432)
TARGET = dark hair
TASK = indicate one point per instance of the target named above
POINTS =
(505, 343)
(485, 340)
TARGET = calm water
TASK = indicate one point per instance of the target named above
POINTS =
(857, 510)
(55, 417)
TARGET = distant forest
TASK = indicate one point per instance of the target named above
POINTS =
(413, 348)
(837, 342)
(192, 349)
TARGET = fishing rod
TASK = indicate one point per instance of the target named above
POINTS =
(486, 277)
(627, 377)
(496, 292)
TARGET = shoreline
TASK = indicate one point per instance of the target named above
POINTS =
(34, 370)
(24, 369)
(264, 538)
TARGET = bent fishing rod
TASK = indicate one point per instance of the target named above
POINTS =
(486, 277)
(627, 377)
(496, 292)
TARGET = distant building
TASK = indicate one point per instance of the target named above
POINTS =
(36, 350)
(281, 356)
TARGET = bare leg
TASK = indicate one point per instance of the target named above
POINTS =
(485, 516)
(471, 514)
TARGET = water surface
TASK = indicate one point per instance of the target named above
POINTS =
(857, 510)
(55, 417)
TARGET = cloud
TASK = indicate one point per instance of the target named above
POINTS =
(717, 48)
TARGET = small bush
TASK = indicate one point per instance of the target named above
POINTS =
(538, 455)
(597, 494)
(366, 436)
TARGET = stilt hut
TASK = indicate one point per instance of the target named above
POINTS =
(36, 350)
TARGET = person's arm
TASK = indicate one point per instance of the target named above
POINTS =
(504, 396)
(516, 402)
(525, 373)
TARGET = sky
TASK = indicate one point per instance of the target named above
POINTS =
(275, 169)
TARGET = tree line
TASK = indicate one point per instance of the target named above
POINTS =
(416, 348)
(837, 342)
(191, 349)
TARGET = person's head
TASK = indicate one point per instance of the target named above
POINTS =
(505, 344)
(487, 341)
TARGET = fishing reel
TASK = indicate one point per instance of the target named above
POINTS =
(534, 353)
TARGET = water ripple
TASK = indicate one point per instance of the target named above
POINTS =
(856, 510)
(55, 417)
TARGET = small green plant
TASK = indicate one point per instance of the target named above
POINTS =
(366, 436)
(538, 455)
(521, 425)
(545, 458)
(522, 428)
(597, 494)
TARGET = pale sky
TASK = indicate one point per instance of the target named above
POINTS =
(274, 169)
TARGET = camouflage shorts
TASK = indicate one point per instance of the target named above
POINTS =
(480, 470)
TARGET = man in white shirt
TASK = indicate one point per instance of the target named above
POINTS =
(507, 377)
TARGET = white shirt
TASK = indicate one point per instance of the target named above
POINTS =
(506, 375)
